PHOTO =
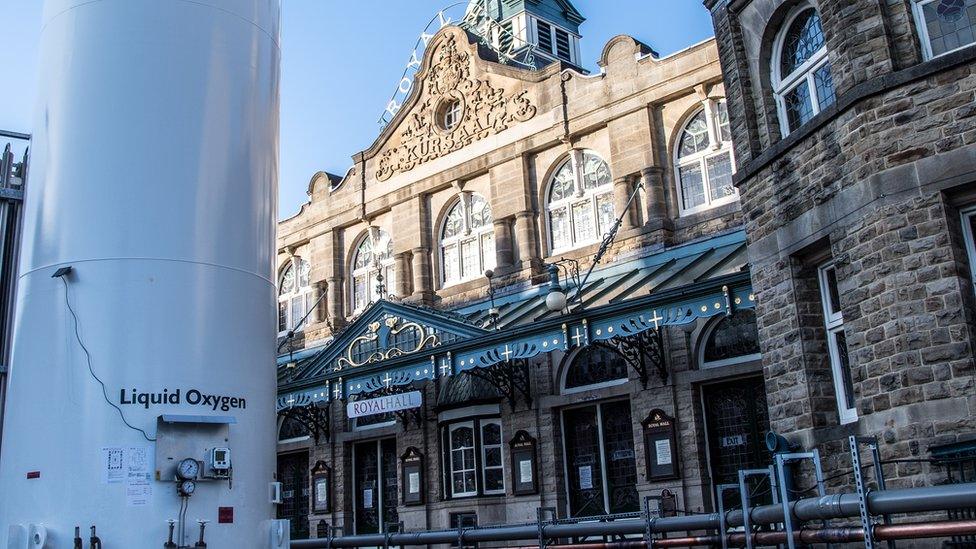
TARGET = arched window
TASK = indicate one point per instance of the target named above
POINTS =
(373, 258)
(594, 367)
(703, 159)
(802, 82)
(580, 201)
(468, 240)
(292, 429)
(294, 294)
(731, 340)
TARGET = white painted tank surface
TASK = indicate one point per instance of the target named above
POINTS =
(154, 175)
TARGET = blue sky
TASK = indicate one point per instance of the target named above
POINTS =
(341, 61)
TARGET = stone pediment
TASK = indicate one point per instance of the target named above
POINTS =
(451, 77)
(384, 331)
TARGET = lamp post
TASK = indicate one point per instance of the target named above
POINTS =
(493, 311)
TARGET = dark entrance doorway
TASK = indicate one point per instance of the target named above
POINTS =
(736, 422)
(293, 474)
(600, 465)
(375, 492)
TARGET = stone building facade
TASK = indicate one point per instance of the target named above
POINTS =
(854, 130)
(493, 166)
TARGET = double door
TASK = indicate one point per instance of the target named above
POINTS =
(601, 470)
(736, 422)
(375, 485)
(293, 474)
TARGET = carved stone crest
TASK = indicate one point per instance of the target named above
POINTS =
(485, 110)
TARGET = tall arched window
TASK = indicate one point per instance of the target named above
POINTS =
(294, 294)
(373, 257)
(703, 159)
(580, 201)
(468, 239)
(801, 77)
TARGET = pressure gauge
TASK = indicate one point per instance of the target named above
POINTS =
(188, 469)
(187, 487)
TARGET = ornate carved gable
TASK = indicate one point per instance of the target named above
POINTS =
(384, 331)
(450, 82)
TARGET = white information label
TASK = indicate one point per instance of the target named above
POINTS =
(413, 482)
(663, 450)
(113, 461)
(586, 477)
(525, 471)
(368, 498)
(138, 489)
(321, 491)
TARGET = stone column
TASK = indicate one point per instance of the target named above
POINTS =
(423, 279)
(403, 282)
(656, 205)
(333, 301)
(503, 244)
(526, 235)
(621, 194)
(318, 313)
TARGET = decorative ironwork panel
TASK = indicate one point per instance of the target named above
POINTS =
(511, 378)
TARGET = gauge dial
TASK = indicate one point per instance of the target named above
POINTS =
(187, 487)
(188, 469)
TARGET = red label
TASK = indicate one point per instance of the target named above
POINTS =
(225, 515)
(33, 474)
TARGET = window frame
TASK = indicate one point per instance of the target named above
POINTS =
(782, 85)
(570, 361)
(474, 458)
(834, 325)
(707, 334)
(969, 239)
(465, 201)
(923, 31)
(552, 51)
(580, 193)
(305, 293)
(477, 425)
(716, 147)
(385, 265)
(451, 115)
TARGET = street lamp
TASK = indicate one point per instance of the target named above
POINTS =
(493, 311)
(556, 299)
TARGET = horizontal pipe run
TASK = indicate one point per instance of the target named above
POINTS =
(807, 536)
(883, 502)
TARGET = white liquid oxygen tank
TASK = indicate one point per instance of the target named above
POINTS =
(154, 177)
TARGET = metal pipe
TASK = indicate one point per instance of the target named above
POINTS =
(907, 500)
(882, 532)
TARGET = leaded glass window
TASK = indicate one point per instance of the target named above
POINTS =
(295, 296)
(493, 470)
(373, 259)
(595, 366)
(732, 340)
(945, 25)
(468, 239)
(580, 201)
(802, 82)
(463, 479)
(704, 164)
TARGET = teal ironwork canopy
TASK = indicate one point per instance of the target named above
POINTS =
(393, 344)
